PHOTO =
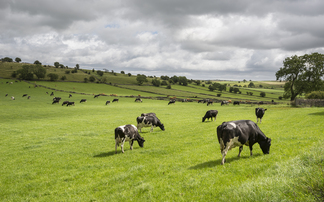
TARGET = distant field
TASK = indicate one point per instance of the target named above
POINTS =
(50, 152)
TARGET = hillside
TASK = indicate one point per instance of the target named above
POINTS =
(127, 83)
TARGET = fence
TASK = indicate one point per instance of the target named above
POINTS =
(309, 102)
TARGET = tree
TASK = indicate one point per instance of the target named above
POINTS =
(141, 78)
(53, 77)
(18, 60)
(92, 78)
(175, 79)
(6, 59)
(302, 74)
(26, 73)
(77, 66)
(56, 64)
(251, 85)
(37, 62)
(198, 82)
(63, 78)
(129, 74)
(100, 73)
(164, 83)
(183, 80)
(122, 72)
(156, 82)
(39, 71)
(262, 94)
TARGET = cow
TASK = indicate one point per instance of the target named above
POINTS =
(83, 100)
(210, 114)
(138, 100)
(28, 97)
(236, 103)
(115, 100)
(55, 101)
(199, 101)
(148, 114)
(70, 95)
(24, 95)
(12, 98)
(96, 96)
(184, 100)
(259, 112)
(238, 133)
(70, 103)
(65, 103)
(210, 102)
(127, 133)
(148, 121)
(6, 95)
(172, 102)
(107, 102)
(52, 94)
(224, 103)
(56, 98)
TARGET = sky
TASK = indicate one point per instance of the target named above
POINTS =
(202, 40)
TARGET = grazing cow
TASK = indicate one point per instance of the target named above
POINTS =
(12, 98)
(148, 114)
(83, 100)
(6, 95)
(184, 100)
(56, 98)
(28, 97)
(55, 101)
(210, 102)
(24, 95)
(107, 102)
(127, 133)
(96, 96)
(199, 101)
(236, 103)
(259, 112)
(138, 100)
(115, 100)
(210, 114)
(238, 133)
(224, 103)
(172, 102)
(148, 121)
(70, 103)
(52, 94)
(70, 95)
(65, 103)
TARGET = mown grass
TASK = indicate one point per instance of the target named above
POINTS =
(55, 153)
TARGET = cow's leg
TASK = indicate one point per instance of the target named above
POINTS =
(122, 144)
(250, 150)
(116, 146)
(240, 150)
(131, 144)
(260, 120)
(151, 128)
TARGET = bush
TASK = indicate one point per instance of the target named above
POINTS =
(85, 80)
(218, 95)
(63, 78)
(280, 97)
(92, 78)
(164, 83)
(67, 71)
(53, 77)
(262, 94)
(315, 95)
(169, 86)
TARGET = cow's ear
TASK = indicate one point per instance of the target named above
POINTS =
(265, 109)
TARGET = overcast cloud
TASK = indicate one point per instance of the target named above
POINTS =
(206, 39)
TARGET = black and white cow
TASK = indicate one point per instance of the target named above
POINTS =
(65, 103)
(107, 102)
(210, 114)
(238, 133)
(259, 112)
(224, 103)
(236, 103)
(70, 103)
(24, 95)
(55, 101)
(210, 102)
(138, 100)
(28, 97)
(149, 114)
(172, 102)
(12, 98)
(200, 101)
(56, 98)
(148, 121)
(83, 100)
(70, 95)
(127, 133)
(96, 96)
(115, 100)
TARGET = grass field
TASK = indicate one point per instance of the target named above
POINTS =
(58, 153)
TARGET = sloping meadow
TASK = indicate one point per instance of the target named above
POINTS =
(51, 152)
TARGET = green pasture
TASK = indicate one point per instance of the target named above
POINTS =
(50, 152)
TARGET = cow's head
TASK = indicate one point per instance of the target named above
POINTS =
(265, 145)
(162, 127)
(140, 141)
(203, 119)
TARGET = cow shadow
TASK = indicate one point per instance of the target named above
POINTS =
(210, 164)
(317, 113)
(105, 154)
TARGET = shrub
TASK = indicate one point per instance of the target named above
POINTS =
(218, 95)
(169, 86)
(315, 95)
(92, 78)
(164, 83)
(262, 94)
(67, 71)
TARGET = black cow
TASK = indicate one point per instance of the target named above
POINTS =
(148, 114)
(56, 98)
(65, 103)
(28, 97)
(96, 96)
(210, 102)
(107, 102)
(127, 133)
(138, 100)
(83, 100)
(115, 100)
(55, 101)
(236, 103)
(210, 114)
(70, 95)
(259, 112)
(148, 121)
(172, 102)
(52, 94)
(24, 95)
(238, 133)
(6, 95)
(70, 103)
(224, 103)
(199, 101)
